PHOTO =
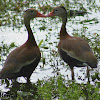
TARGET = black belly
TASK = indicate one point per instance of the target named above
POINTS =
(26, 71)
(69, 60)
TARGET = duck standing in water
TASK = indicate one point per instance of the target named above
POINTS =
(75, 51)
(23, 60)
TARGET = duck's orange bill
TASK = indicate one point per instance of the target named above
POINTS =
(50, 14)
(40, 15)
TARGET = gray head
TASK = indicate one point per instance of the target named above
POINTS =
(31, 13)
(58, 11)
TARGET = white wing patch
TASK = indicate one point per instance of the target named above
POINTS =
(24, 64)
(72, 54)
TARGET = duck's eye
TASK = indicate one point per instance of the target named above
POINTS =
(31, 11)
(56, 10)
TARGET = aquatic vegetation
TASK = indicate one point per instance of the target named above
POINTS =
(58, 86)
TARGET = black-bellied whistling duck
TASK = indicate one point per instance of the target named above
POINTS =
(23, 60)
(75, 51)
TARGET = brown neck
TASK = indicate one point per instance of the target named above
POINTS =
(63, 31)
(31, 39)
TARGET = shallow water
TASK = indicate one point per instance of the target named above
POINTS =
(19, 37)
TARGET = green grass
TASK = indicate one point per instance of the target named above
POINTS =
(54, 88)
(57, 87)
